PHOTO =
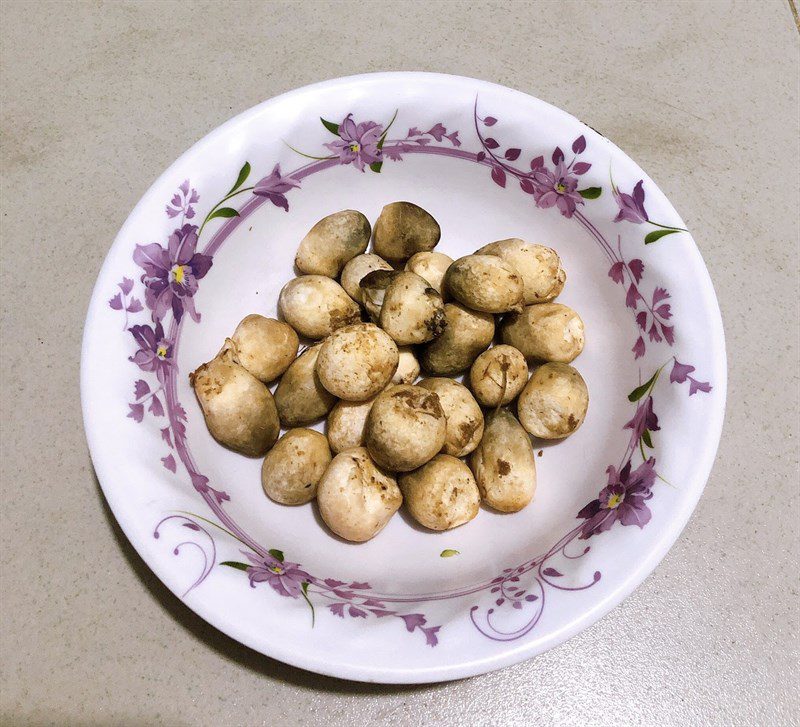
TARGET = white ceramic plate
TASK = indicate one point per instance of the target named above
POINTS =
(488, 163)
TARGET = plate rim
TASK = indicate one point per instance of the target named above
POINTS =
(515, 653)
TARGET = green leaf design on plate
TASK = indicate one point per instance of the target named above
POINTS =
(590, 192)
(277, 554)
(304, 587)
(448, 553)
(223, 212)
(646, 438)
(376, 166)
(244, 173)
(657, 235)
(640, 391)
(330, 126)
(235, 564)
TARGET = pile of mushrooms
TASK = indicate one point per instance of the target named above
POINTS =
(373, 321)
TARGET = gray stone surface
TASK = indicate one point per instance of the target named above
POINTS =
(97, 99)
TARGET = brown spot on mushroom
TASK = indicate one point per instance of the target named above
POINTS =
(503, 467)
(437, 322)
(466, 430)
(340, 317)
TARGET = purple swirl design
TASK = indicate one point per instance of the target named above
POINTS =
(207, 547)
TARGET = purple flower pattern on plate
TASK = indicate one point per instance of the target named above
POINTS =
(171, 273)
(275, 186)
(182, 201)
(121, 301)
(651, 315)
(680, 374)
(285, 578)
(623, 499)
(358, 144)
(171, 280)
(153, 356)
(632, 209)
(155, 351)
(353, 600)
(631, 206)
(206, 547)
(556, 187)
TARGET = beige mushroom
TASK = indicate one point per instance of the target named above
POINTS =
(498, 375)
(441, 494)
(485, 283)
(464, 416)
(545, 332)
(294, 466)
(403, 229)
(356, 498)
(264, 346)
(239, 410)
(503, 464)
(553, 403)
(332, 242)
(358, 268)
(407, 368)
(300, 397)
(315, 306)
(356, 362)
(405, 428)
(539, 266)
(347, 424)
(466, 334)
(431, 266)
(412, 311)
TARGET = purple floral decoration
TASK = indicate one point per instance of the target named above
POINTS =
(651, 316)
(364, 144)
(680, 373)
(358, 144)
(154, 356)
(274, 187)
(286, 579)
(438, 132)
(623, 499)
(171, 273)
(632, 209)
(200, 540)
(121, 301)
(556, 187)
(644, 420)
(415, 139)
(170, 279)
(349, 601)
(353, 600)
(182, 201)
(631, 206)
(155, 351)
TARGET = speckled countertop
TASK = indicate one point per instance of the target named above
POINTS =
(99, 97)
